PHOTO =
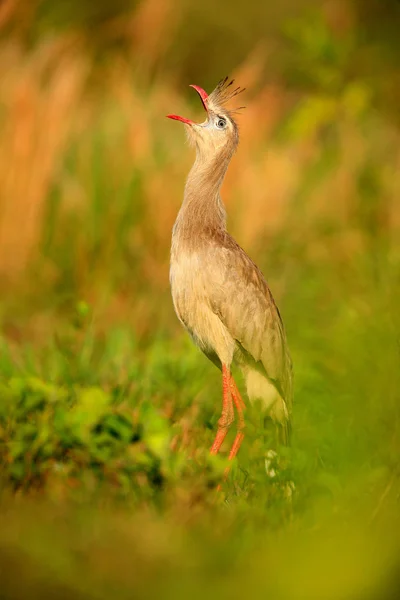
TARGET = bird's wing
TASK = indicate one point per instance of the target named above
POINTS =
(244, 303)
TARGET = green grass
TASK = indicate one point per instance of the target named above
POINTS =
(108, 487)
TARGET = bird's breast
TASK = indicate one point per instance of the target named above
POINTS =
(191, 277)
(187, 286)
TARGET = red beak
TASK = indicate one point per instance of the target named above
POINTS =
(203, 95)
(178, 118)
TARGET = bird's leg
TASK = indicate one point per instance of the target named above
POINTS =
(240, 406)
(227, 416)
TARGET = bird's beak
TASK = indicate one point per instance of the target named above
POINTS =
(178, 118)
(203, 96)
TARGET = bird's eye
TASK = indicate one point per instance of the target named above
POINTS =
(220, 123)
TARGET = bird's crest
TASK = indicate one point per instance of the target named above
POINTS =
(224, 92)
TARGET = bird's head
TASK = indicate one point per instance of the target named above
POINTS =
(218, 134)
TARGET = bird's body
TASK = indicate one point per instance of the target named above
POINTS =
(219, 294)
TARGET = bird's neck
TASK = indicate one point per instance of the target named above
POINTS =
(202, 209)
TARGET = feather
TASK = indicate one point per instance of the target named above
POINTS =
(223, 93)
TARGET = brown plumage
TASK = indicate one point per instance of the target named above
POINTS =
(219, 294)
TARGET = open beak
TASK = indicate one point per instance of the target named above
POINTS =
(203, 96)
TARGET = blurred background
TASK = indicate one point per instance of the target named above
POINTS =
(106, 410)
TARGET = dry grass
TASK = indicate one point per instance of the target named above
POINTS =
(39, 95)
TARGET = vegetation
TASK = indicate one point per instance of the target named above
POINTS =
(107, 411)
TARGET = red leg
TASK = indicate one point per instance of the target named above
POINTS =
(238, 400)
(227, 415)
(240, 405)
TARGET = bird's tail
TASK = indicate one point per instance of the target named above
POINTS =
(284, 432)
(281, 431)
(260, 388)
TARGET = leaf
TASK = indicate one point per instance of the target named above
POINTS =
(16, 449)
(156, 430)
(91, 406)
(118, 427)
(50, 391)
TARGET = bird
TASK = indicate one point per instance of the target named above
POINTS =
(219, 294)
